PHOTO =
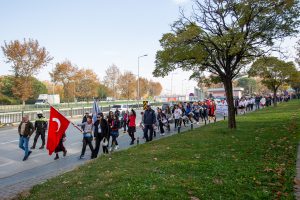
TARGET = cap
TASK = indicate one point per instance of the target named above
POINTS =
(39, 113)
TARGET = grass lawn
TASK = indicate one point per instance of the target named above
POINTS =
(255, 161)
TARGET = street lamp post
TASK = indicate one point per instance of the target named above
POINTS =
(182, 86)
(52, 79)
(138, 96)
(172, 83)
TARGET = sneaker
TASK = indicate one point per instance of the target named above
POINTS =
(81, 157)
(162, 134)
(116, 147)
(25, 158)
(42, 147)
(65, 153)
(110, 148)
(131, 143)
(56, 157)
(33, 147)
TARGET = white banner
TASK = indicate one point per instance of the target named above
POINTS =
(222, 108)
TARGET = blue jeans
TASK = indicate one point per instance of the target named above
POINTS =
(23, 144)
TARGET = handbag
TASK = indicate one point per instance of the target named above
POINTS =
(104, 142)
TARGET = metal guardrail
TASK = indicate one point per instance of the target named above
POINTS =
(16, 117)
(13, 108)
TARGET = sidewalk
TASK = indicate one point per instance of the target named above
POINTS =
(11, 186)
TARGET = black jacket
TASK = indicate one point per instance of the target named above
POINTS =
(29, 129)
(161, 116)
(40, 124)
(149, 117)
(104, 128)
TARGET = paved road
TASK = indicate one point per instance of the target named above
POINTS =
(17, 176)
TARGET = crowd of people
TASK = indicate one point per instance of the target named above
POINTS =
(104, 131)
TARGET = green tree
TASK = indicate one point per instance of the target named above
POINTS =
(38, 88)
(102, 91)
(221, 37)
(295, 82)
(7, 83)
(249, 85)
(274, 72)
(7, 87)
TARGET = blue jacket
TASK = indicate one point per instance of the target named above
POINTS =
(149, 117)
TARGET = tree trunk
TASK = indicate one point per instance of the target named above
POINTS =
(275, 95)
(230, 102)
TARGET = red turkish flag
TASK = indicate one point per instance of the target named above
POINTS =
(58, 125)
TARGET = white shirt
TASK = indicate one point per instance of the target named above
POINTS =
(177, 113)
(263, 100)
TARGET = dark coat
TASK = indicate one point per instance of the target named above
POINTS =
(149, 117)
(104, 128)
(29, 129)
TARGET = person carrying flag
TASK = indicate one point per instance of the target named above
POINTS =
(60, 147)
(87, 136)
(59, 126)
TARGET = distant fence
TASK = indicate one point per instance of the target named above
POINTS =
(17, 108)
(15, 117)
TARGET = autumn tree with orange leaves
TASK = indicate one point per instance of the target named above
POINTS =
(127, 85)
(64, 74)
(86, 84)
(26, 60)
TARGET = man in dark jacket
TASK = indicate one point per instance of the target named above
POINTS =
(25, 130)
(149, 122)
(100, 132)
(257, 102)
(40, 127)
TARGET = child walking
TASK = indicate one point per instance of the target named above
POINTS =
(60, 147)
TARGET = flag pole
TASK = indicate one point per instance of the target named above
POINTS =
(66, 118)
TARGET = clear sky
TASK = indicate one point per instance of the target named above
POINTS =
(97, 33)
(94, 33)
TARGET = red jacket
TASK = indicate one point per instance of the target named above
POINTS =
(131, 120)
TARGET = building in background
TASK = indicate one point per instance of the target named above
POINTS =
(220, 92)
(170, 98)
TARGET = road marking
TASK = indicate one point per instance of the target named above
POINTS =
(8, 163)
(9, 142)
(76, 143)
(35, 155)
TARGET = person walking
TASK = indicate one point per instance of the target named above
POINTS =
(25, 130)
(87, 136)
(84, 119)
(263, 102)
(257, 102)
(125, 120)
(110, 118)
(177, 117)
(60, 147)
(115, 133)
(242, 106)
(100, 134)
(132, 125)
(40, 127)
(162, 119)
(149, 123)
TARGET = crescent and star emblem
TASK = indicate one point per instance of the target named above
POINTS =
(58, 123)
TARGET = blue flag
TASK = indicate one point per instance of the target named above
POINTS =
(95, 110)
